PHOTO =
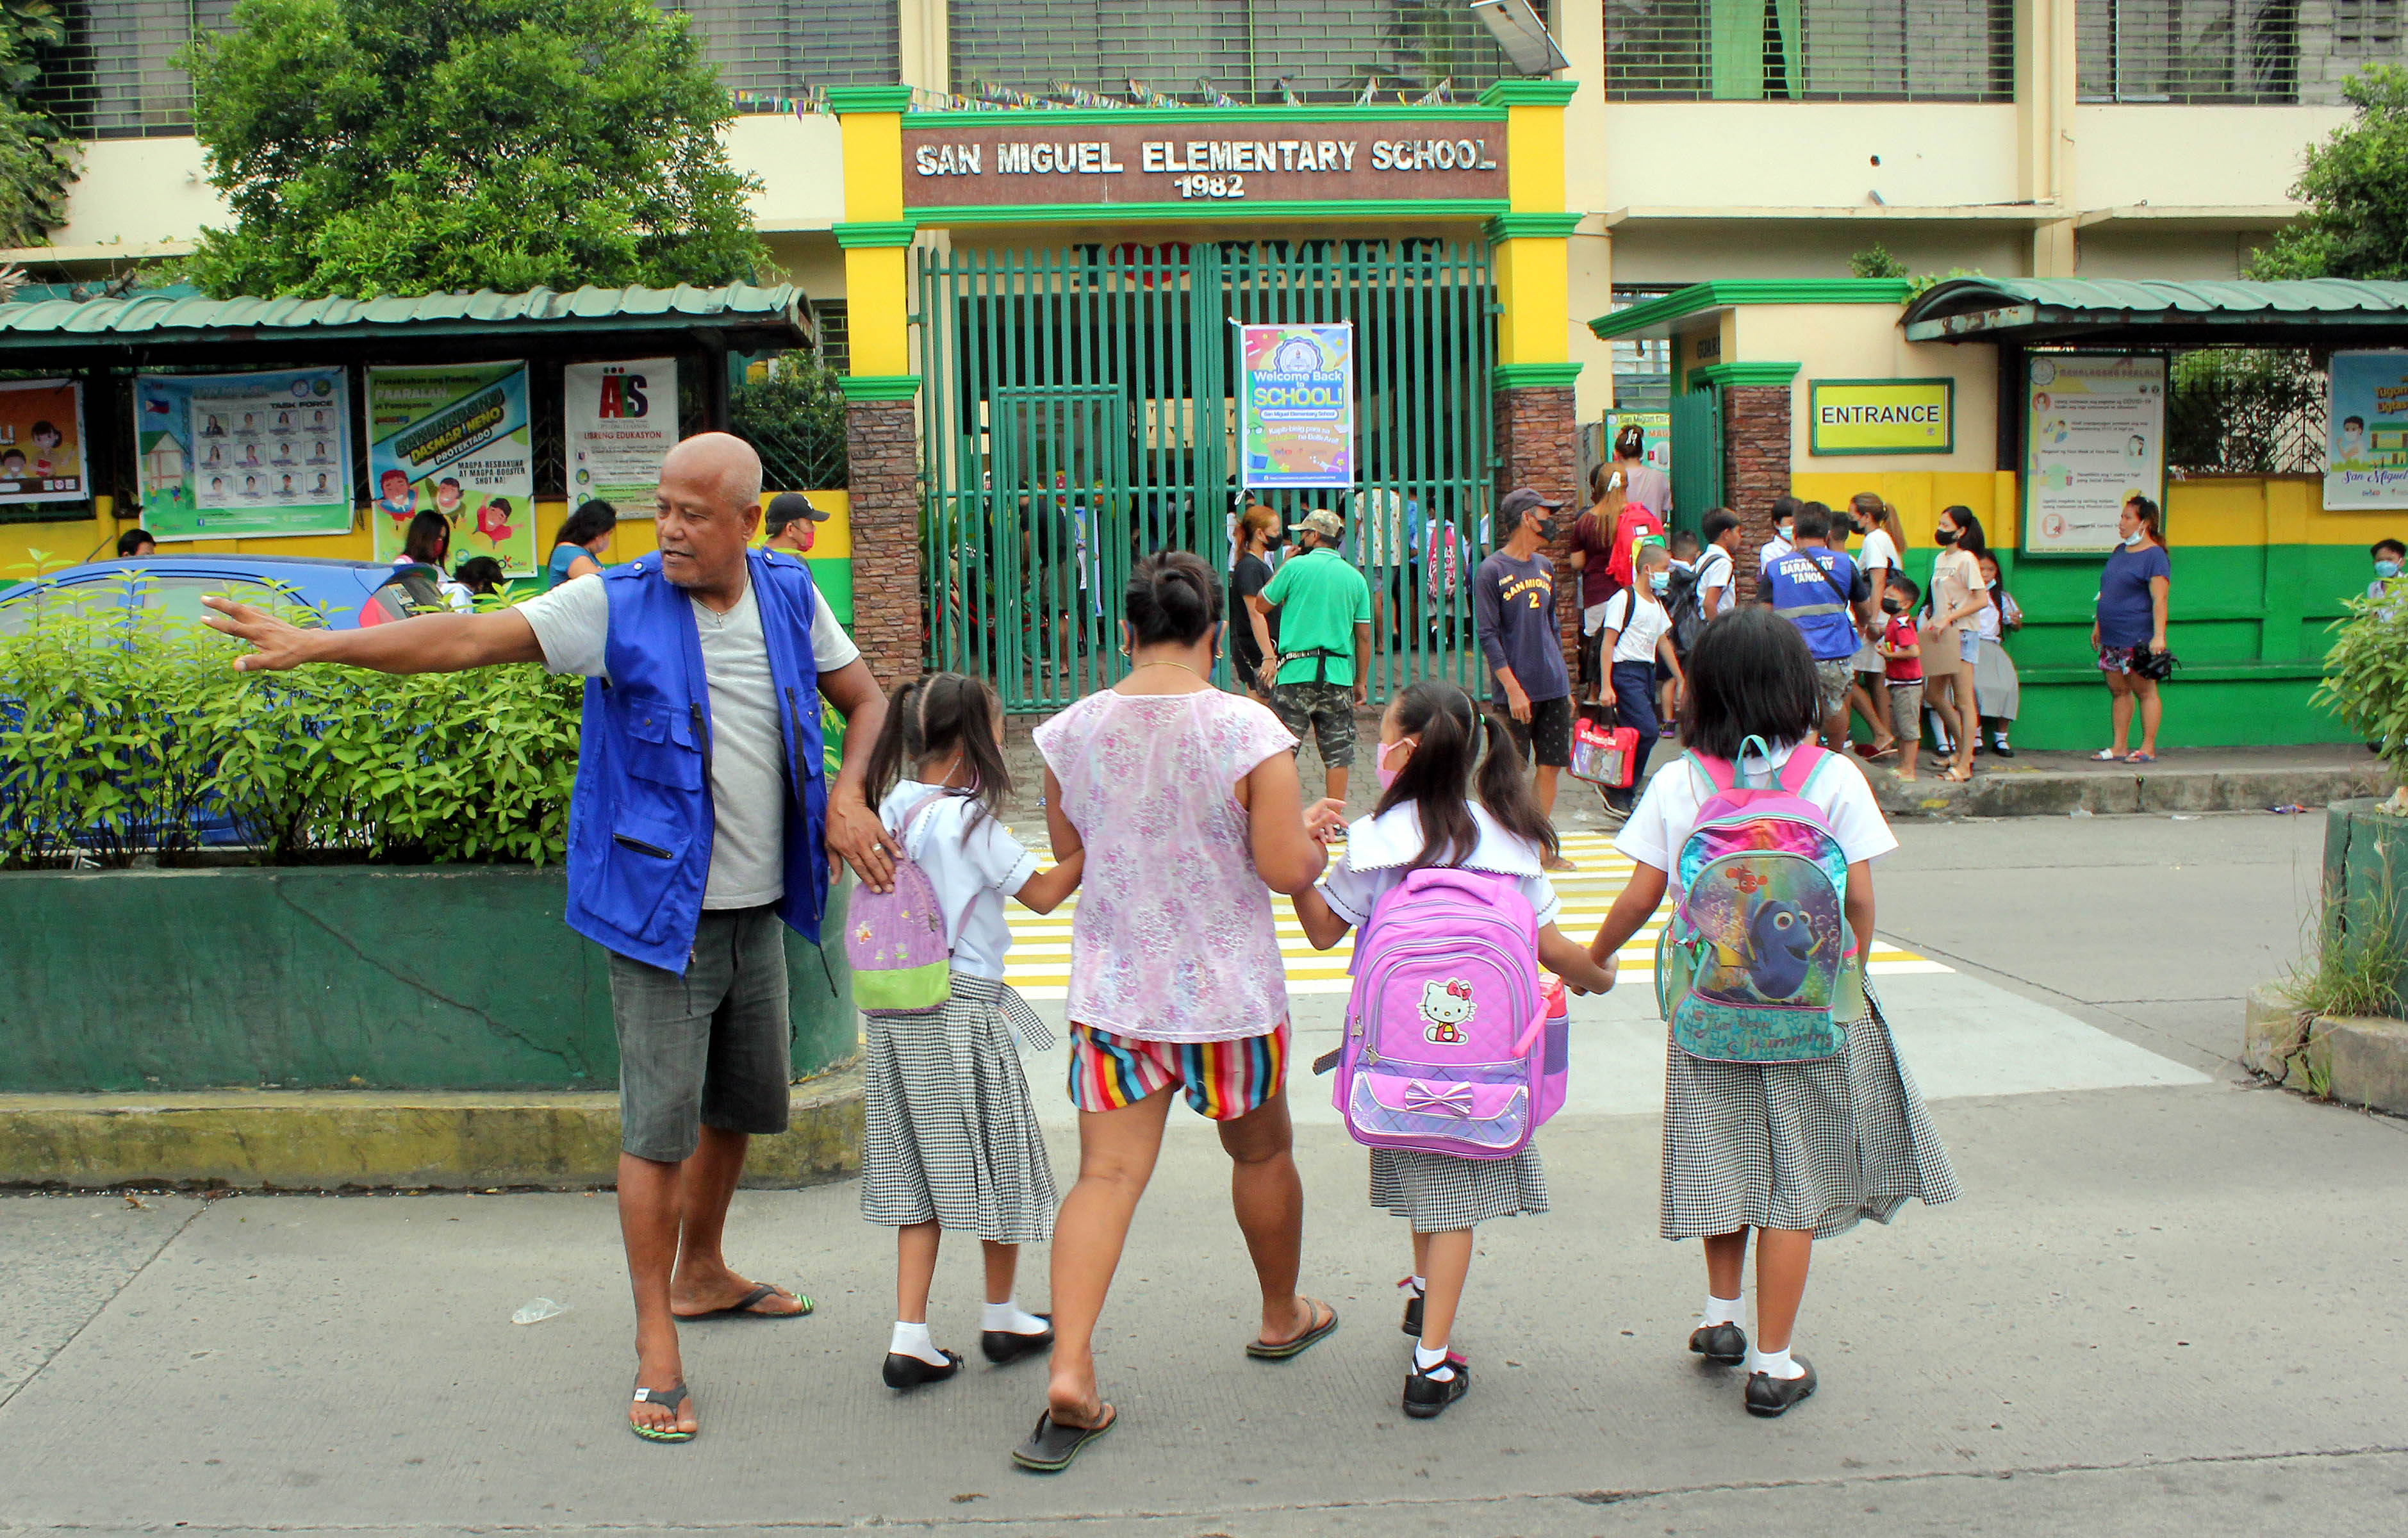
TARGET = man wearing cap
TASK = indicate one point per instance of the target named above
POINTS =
(1513, 598)
(791, 522)
(1324, 668)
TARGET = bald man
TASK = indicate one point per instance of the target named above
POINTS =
(700, 825)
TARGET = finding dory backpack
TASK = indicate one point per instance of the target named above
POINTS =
(1449, 1046)
(1757, 965)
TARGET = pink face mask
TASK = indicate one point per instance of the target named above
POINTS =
(1389, 776)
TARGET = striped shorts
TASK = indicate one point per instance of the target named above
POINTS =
(1221, 1080)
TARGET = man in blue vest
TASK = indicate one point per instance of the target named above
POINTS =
(1819, 590)
(699, 823)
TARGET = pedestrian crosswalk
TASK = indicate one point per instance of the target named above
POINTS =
(1040, 962)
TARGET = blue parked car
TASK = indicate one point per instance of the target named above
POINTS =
(306, 591)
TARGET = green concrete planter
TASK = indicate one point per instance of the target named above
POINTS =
(2366, 868)
(336, 977)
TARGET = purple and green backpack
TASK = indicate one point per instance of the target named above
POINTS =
(1757, 965)
(897, 943)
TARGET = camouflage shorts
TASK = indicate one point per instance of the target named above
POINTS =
(1327, 710)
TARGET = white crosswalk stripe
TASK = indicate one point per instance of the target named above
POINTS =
(1039, 963)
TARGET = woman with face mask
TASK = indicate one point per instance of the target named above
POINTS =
(2129, 629)
(1951, 642)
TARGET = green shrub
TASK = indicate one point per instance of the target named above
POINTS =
(2366, 678)
(116, 737)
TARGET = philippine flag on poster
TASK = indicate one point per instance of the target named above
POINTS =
(1298, 427)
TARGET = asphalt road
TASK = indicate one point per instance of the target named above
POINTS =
(2167, 1303)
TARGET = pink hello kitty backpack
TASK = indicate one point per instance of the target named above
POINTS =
(1449, 1048)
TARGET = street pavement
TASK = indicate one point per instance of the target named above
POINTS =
(2167, 1303)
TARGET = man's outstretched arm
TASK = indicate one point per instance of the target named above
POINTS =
(430, 644)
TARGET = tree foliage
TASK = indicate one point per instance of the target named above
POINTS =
(36, 160)
(420, 146)
(2356, 187)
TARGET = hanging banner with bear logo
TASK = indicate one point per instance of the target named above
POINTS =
(1298, 395)
(621, 420)
(454, 439)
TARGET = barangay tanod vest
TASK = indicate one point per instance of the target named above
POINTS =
(641, 821)
(1800, 596)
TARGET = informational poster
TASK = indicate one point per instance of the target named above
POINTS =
(249, 456)
(621, 421)
(1297, 423)
(2095, 437)
(41, 441)
(1656, 425)
(454, 439)
(2366, 464)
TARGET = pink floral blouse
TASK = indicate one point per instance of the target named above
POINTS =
(1172, 938)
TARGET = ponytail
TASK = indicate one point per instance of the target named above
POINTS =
(929, 717)
(1446, 726)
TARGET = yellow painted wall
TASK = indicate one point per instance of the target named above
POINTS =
(2215, 511)
(72, 545)
(1918, 496)
(1864, 341)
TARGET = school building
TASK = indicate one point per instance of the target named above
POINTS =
(1026, 229)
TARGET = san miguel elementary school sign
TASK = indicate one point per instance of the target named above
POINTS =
(1015, 162)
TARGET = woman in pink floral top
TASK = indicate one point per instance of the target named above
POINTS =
(1186, 800)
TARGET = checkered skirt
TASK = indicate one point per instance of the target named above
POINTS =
(1813, 1146)
(1439, 1191)
(948, 1131)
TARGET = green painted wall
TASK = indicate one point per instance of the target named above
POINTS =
(342, 977)
(2249, 624)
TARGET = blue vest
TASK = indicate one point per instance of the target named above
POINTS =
(1800, 596)
(640, 823)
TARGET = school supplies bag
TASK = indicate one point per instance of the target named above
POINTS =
(1448, 1047)
(1757, 965)
(896, 941)
(1604, 756)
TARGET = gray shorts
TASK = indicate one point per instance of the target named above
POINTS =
(1906, 710)
(1832, 682)
(711, 1048)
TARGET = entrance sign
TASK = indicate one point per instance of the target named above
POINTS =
(2094, 437)
(2366, 463)
(249, 456)
(454, 437)
(1880, 416)
(41, 441)
(995, 159)
(621, 420)
(1298, 394)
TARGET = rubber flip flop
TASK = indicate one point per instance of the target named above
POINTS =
(1050, 1447)
(2139, 757)
(668, 1399)
(1264, 1351)
(2105, 755)
(744, 1306)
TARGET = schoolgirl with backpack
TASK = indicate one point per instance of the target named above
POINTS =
(1786, 1110)
(948, 1137)
(1452, 1056)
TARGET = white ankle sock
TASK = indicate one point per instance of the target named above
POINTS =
(1774, 1363)
(1419, 1285)
(1008, 1317)
(1430, 1362)
(912, 1341)
(1724, 1311)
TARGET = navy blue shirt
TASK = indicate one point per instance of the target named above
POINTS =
(2126, 615)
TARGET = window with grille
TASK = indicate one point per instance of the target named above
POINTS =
(1642, 365)
(1256, 51)
(2367, 29)
(2190, 51)
(1809, 50)
(767, 50)
(112, 77)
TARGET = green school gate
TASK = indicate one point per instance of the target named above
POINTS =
(1079, 410)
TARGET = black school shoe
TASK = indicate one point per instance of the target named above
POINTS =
(1413, 1325)
(906, 1370)
(1769, 1396)
(1002, 1347)
(1724, 1344)
(1427, 1397)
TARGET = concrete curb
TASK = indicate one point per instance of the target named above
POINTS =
(2356, 1061)
(2163, 791)
(361, 1140)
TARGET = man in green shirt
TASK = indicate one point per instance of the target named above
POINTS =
(1323, 671)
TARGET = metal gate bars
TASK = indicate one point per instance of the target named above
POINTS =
(1079, 410)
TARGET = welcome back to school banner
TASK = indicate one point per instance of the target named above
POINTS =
(253, 456)
(454, 439)
(1298, 389)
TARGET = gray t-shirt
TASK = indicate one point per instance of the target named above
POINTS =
(748, 751)
(1514, 602)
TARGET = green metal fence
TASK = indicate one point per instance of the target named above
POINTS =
(1080, 411)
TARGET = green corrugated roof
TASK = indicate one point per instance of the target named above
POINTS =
(2143, 309)
(164, 318)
